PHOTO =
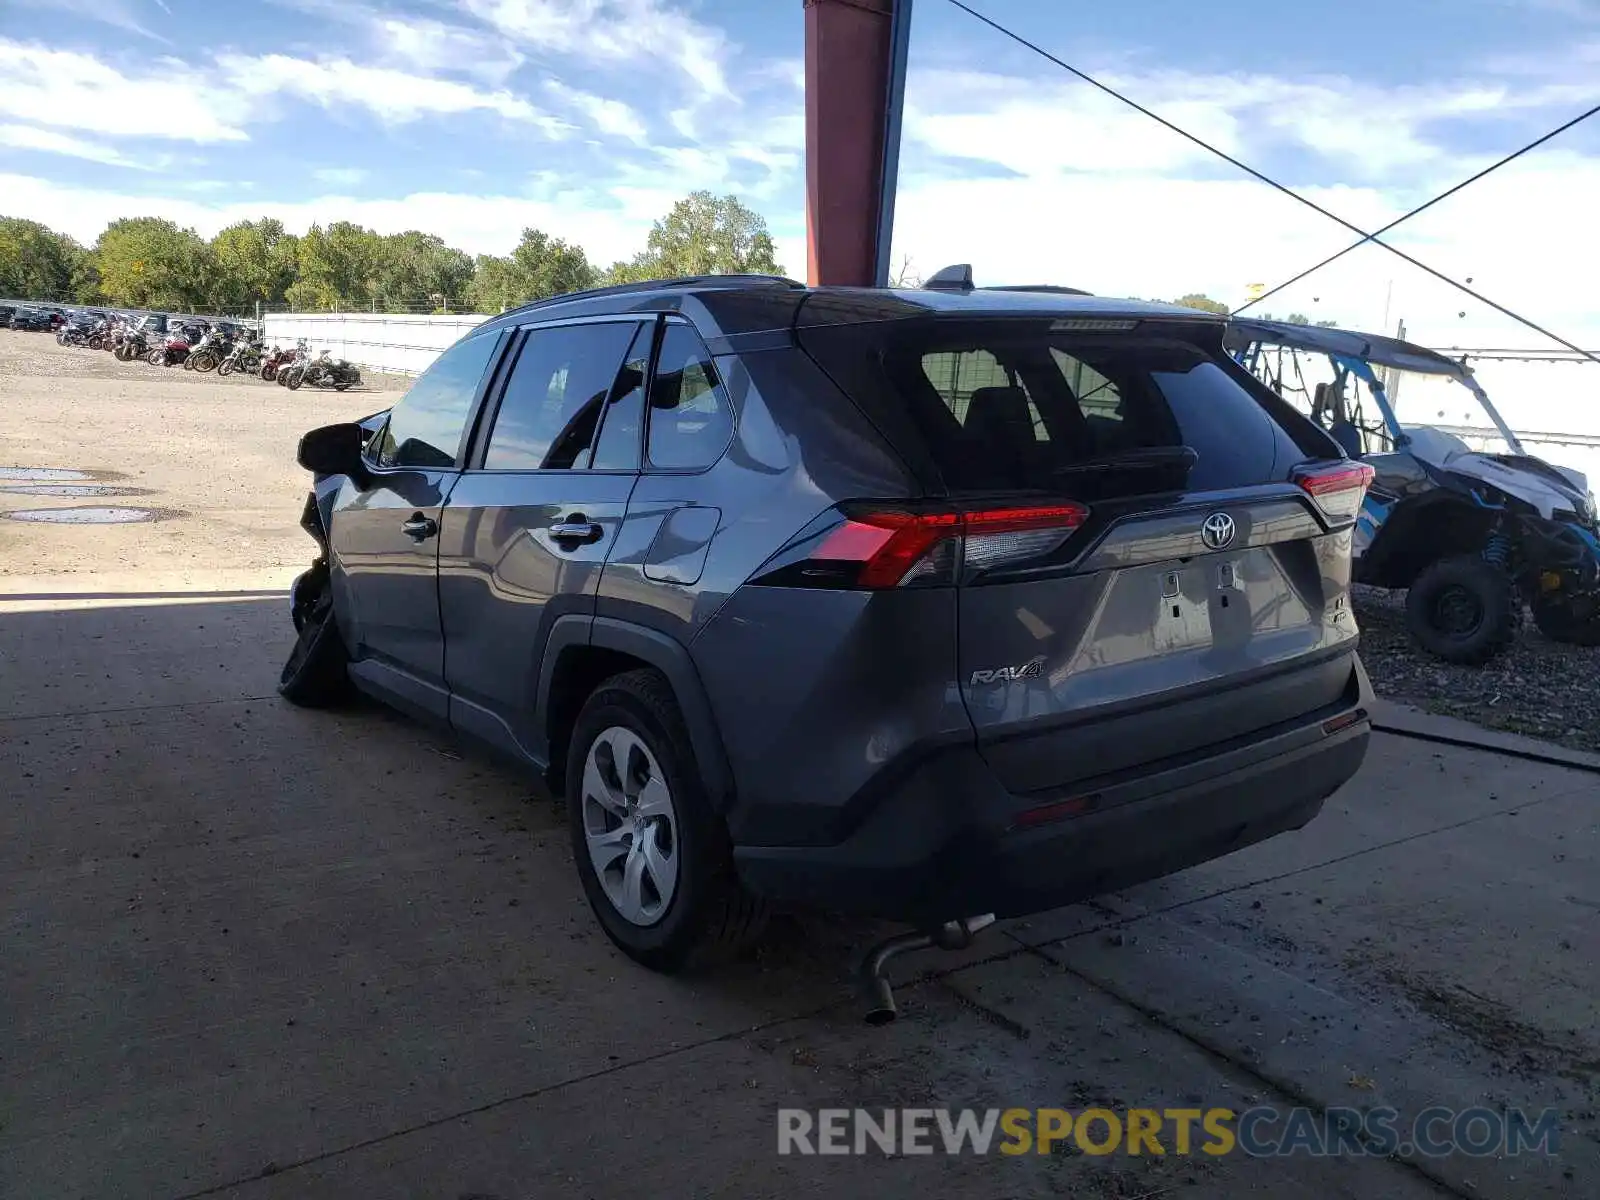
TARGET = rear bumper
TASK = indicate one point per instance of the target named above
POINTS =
(931, 849)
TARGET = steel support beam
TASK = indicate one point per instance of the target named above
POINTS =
(855, 83)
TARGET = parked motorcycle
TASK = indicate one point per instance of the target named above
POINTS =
(74, 334)
(246, 356)
(209, 351)
(292, 373)
(273, 363)
(172, 351)
(325, 371)
(132, 344)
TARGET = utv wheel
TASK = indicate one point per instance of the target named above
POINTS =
(1573, 620)
(654, 857)
(315, 675)
(1463, 610)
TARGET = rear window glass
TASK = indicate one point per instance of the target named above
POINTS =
(1012, 405)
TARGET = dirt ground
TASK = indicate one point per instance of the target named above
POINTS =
(252, 951)
(213, 457)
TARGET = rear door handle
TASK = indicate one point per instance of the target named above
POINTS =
(576, 533)
(420, 528)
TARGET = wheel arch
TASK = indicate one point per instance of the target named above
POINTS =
(582, 652)
(1422, 530)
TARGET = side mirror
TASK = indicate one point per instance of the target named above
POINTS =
(334, 450)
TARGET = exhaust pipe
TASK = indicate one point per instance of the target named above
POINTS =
(952, 935)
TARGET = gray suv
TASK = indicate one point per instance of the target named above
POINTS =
(911, 604)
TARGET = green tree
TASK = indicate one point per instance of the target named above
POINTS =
(703, 235)
(336, 268)
(414, 266)
(540, 267)
(255, 262)
(1203, 303)
(36, 263)
(149, 262)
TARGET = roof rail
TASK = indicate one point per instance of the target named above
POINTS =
(1038, 287)
(655, 285)
(952, 279)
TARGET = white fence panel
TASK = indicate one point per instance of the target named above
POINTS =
(404, 344)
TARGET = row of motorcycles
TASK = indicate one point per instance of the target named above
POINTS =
(220, 348)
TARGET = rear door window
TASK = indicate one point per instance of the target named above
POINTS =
(554, 398)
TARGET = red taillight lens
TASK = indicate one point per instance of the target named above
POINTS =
(1338, 489)
(886, 548)
(888, 545)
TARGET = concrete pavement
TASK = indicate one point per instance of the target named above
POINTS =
(252, 951)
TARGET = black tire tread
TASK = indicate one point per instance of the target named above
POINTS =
(322, 680)
(1499, 593)
(734, 920)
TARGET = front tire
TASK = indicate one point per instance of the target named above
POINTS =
(1463, 610)
(315, 675)
(294, 379)
(225, 367)
(653, 855)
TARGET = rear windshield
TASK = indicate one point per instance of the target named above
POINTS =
(1007, 405)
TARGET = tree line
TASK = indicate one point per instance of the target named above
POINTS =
(150, 262)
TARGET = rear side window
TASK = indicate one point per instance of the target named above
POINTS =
(555, 395)
(1006, 405)
(690, 421)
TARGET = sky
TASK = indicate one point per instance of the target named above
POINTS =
(588, 118)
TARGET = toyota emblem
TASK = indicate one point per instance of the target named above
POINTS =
(1217, 531)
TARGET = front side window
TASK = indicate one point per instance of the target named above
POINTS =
(426, 426)
(555, 395)
(690, 420)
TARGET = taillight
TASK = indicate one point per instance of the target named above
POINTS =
(892, 547)
(1338, 489)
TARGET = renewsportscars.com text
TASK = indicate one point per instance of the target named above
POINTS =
(1261, 1132)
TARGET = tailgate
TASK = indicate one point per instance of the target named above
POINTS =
(1155, 645)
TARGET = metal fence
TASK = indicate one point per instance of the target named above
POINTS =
(398, 343)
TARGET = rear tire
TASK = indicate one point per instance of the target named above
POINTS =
(1463, 610)
(315, 675)
(1575, 622)
(645, 816)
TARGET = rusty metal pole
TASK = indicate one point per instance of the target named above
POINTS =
(855, 80)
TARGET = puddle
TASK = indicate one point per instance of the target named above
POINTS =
(41, 474)
(74, 489)
(106, 515)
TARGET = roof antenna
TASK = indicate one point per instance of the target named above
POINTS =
(952, 279)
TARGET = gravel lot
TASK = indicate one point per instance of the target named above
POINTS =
(149, 435)
(1538, 688)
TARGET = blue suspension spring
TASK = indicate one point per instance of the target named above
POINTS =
(1497, 551)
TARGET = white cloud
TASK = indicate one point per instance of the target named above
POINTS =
(635, 34)
(48, 141)
(611, 117)
(391, 95)
(434, 46)
(78, 91)
(339, 176)
(478, 224)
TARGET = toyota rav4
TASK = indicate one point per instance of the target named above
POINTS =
(915, 604)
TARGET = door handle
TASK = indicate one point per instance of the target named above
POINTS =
(576, 532)
(420, 528)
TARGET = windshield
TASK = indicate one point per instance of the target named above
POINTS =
(1338, 398)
